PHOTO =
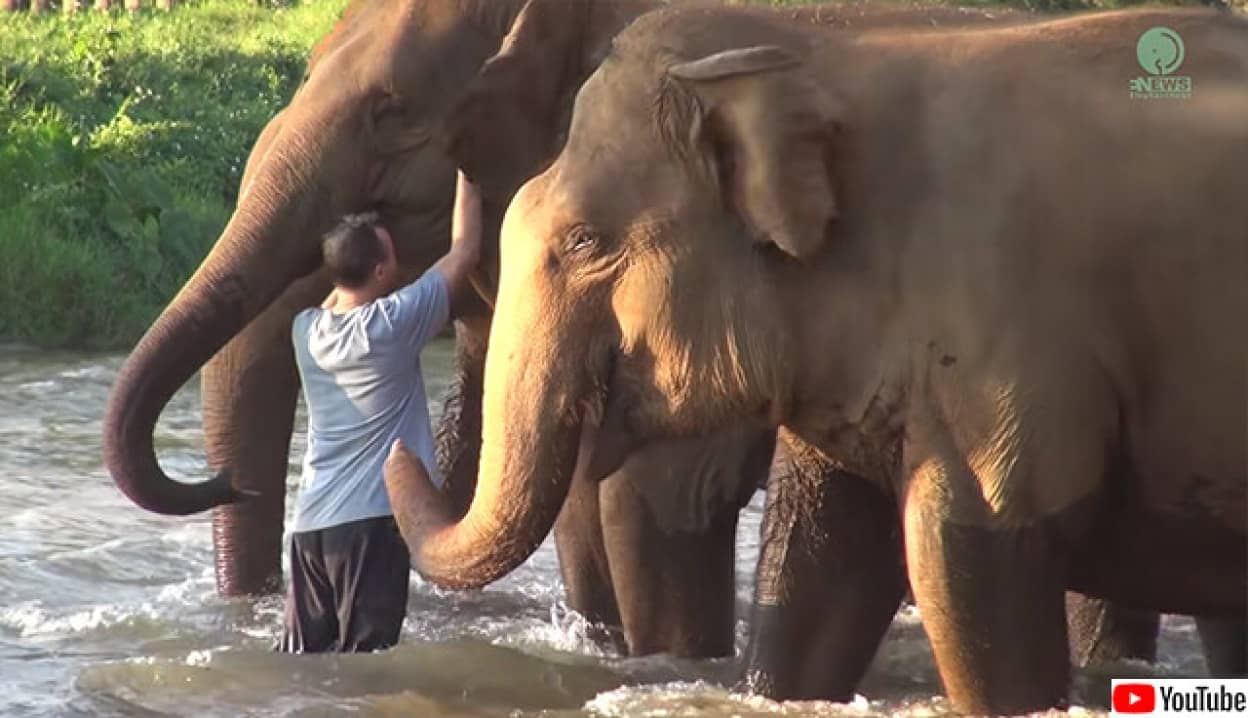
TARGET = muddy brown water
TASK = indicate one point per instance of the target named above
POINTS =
(106, 610)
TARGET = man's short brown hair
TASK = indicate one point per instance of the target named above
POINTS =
(352, 250)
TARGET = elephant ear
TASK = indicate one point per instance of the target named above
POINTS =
(767, 129)
(512, 118)
(506, 123)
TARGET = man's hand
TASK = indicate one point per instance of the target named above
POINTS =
(465, 239)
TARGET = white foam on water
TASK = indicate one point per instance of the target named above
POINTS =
(567, 631)
(688, 699)
(31, 620)
(191, 591)
(203, 657)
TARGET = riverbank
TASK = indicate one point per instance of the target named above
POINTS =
(124, 141)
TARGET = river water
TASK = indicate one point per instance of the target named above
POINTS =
(107, 610)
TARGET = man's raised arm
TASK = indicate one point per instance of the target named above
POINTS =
(465, 250)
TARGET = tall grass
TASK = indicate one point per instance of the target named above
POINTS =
(122, 142)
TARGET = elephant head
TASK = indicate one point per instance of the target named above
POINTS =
(357, 135)
(642, 278)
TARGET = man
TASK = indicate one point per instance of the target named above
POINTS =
(358, 358)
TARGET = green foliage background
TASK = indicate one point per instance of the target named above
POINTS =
(122, 142)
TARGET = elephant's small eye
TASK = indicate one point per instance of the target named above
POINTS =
(579, 239)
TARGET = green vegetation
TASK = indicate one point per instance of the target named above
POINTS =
(122, 142)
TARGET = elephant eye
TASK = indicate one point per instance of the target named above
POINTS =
(579, 239)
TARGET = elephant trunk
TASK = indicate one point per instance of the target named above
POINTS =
(248, 392)
(242, 275)
(531, 434)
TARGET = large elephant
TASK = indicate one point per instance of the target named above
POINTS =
(507, 125)
(961, 265)
(505, 128)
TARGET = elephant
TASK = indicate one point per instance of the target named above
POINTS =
(507, 126)
(879, 246)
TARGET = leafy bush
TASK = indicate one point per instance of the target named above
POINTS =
(122, 142)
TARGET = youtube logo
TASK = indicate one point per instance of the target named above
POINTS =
(1187, 697)
(1134, 698)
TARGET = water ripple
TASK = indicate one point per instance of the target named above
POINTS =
(106, 610)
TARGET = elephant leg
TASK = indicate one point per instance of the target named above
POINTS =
(1102, 632)
(458, 433)
(1225, 641)
(669, 518)
(830, 577)
(991, 598)
(676, 590)
(249, 391)
(583, 563)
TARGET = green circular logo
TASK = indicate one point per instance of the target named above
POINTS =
(1160, 51)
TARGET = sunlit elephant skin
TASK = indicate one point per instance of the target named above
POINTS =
(508, 125)
(752, 223)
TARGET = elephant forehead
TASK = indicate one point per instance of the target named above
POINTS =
(532, 223)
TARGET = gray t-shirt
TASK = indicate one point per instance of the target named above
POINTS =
(363, 388)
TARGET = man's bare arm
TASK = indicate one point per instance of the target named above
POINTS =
(465, 251)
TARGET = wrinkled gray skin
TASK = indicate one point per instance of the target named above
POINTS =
(665, 276)
(793, 648)
(356, 136)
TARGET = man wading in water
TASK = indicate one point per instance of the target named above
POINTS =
(358, 358)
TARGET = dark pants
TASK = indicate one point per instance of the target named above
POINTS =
(348, 588)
